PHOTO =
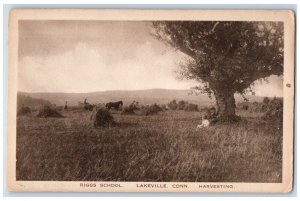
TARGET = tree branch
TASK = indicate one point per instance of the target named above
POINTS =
(187, 51)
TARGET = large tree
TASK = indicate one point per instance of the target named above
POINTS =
(225, 57)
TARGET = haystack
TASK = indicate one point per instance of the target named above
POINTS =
(151, 110)
(23, 111)
(172, 105)
(274, 110)
(164, 107)
(181, 105)
(103, 118)
(251, 106)
(128, 110)
(156, 108)
(88, 106)
(48, 111)
(191, 107)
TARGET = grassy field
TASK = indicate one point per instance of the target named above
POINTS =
(163, 147)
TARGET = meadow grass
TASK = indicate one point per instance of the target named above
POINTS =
(164, 147)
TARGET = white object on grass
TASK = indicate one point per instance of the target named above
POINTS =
(205, 123)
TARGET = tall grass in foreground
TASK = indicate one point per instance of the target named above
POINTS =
(164, 147)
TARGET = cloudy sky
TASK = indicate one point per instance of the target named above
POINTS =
(86, 56)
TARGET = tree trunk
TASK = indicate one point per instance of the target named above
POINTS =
(226, 106)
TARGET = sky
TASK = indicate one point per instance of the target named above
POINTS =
(87, 56)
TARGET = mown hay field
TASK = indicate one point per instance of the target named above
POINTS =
(163, 147)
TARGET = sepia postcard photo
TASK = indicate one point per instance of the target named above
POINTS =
(104, 100)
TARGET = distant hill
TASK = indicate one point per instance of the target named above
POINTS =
(160, 96)
(30, 101)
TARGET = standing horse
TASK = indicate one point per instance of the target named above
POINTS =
(115, 105)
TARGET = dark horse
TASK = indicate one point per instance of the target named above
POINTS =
(115, 105)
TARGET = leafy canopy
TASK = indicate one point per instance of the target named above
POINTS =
(229, 55)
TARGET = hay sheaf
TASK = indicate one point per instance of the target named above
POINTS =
(128, 110)
(23, 111)
(48, 111)
(164, 107)
(271, 108)
(151, 110)
(182, 105)
(274, 110)
(252, 107)
(102, 118)
(190, 107)
(172, 105)
(88, 106)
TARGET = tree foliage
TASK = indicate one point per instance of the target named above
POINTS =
(225, 55)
